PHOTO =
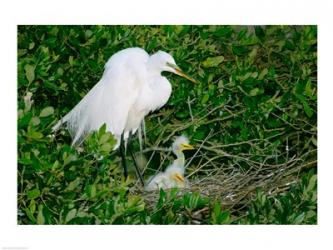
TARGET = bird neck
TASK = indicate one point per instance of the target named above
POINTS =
(180, 161)
(153, 67)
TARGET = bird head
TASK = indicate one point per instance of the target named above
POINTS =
(180, 144)
(176, 175)
(165, 62)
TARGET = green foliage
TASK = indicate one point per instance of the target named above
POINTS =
(297, 206)
(219, 216)
(101, 143)
(254, 83)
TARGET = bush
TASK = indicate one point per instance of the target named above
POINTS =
(254, 108)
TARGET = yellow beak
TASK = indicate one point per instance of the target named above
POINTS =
(178, 177)
(181, 73)
(185, 146)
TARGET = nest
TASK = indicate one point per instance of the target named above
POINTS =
(232, 173)
(234, 179)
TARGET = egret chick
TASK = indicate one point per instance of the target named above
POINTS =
(173, 176)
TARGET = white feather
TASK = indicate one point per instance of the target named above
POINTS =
(130, 88)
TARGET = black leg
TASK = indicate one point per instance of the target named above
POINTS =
(138, 172)
(122, 154)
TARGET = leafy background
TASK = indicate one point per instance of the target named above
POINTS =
(256, 83)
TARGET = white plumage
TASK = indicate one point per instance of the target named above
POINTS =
(174, 175)
(130, 88)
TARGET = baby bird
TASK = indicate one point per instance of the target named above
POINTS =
(173, 176)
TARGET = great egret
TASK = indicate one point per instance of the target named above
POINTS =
(173, 176)
(130, 88)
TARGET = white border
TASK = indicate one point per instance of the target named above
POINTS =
(161, 12)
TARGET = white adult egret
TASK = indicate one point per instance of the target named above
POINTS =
(130, 88)
(173, 176)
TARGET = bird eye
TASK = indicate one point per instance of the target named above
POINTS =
(170, 65)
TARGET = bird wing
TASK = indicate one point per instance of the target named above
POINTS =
(121, 93)
(154, 94)
(78, 119)
(156, 182)
(111, 99)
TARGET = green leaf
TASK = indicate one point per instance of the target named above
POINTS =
(314, 141)
(51, 85)
(35, 121)
(102, 130)
(213, 61)
(312, 183)
(32, 206)
(60, 71)
(224, 217)
(205, 98)
(73, 184)
(254, 92)
(107, 147)
(30, 215)
(88, 34)
(104, 138)
(29, 72)
(308, 90)
(223, 31)
(69, 158)
(33, 194)
(46, 112)
(217, 209)
(25, 161)
(263, 73)
(35, 135)
(308, 110)
(299, 219)
(162, 198)
(254, 74)
(92, 191)
(310, 214)
(253, 54)
(218, 216)
(40, 216)
(71, 214)
(31, 45)
(191, 200)
(182, 114)
(25, 120)
(71, 60)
